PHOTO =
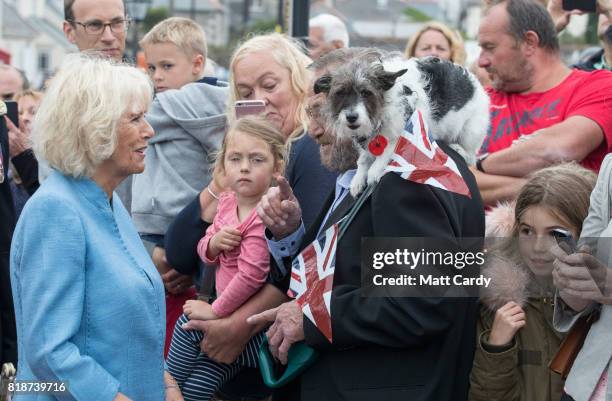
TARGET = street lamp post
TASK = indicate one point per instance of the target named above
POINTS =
(137, 10)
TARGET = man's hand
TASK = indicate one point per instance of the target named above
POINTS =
(509, 319)
(560, 16)
(175, 282)
(226, 239)
(287, 328)
(581, 275)
(280, 210)
(222, 342)
(18, 141)
(199, 310)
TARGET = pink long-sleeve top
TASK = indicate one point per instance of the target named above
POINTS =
(242, 271)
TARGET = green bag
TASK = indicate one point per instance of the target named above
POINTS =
(300, 355)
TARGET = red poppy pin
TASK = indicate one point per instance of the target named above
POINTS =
(377, 145)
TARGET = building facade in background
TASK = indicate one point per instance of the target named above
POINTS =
(31, 33)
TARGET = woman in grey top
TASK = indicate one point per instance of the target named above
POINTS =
(583, 287)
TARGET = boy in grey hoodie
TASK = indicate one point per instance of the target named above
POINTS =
(188, 116)
(189, 127)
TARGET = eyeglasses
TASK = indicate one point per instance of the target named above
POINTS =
(97, 27)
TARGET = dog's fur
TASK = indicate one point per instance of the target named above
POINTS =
(366, 99)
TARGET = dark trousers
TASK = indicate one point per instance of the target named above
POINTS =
(566, 397)
(8, 332)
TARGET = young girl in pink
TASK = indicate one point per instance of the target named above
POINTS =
(252, 153)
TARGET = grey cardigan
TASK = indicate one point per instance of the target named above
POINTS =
(596, 352)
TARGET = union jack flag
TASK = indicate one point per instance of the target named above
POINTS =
(417, 157)
(312, 279)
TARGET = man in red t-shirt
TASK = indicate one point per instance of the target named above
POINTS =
(542, 112)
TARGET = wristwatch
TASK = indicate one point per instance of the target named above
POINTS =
(481, 159)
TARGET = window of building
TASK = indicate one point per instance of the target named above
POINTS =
(43, 61)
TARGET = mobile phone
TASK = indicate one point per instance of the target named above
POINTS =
(249, 107)
(565, 237)
(12, 112)
(589, 6)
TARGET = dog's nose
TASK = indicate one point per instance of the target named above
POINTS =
(352, 117)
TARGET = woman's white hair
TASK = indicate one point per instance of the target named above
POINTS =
(333, 28)
(75, 128)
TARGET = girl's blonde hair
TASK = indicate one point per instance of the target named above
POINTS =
(454, 40)
(259, 128)
(288, 53)
(36, 95)
(564, 190)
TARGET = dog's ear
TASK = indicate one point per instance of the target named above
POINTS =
(385, 79)
(323, 84)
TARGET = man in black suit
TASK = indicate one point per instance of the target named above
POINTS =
(383, 348)
(8, 336)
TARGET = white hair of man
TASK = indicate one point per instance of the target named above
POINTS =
(332, 26)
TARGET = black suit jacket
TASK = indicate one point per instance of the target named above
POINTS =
(408, 349)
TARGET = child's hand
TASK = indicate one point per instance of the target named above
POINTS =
(508, 320)
(225, 240)
(199, 310)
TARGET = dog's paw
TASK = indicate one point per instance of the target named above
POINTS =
(375, 173)
(359, 180)
(357, 187)
(373, 177)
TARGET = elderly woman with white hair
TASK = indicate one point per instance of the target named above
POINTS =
(89, 303)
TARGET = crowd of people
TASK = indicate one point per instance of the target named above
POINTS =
(150, 231)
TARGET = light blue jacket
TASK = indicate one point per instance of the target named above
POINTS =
(89, 303)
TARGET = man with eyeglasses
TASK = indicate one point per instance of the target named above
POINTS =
(96, 25)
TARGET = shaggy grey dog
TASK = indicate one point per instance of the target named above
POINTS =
(366, 99)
